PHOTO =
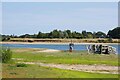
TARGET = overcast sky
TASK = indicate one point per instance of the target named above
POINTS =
(31, 17)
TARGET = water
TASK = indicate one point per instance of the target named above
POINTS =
(53, 46)
(49, 46)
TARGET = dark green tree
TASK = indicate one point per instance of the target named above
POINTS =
(84, 33)
(115, 33)
(89, 35)
(94, 36)
(100, 34)
(65, 34)
(55, 33)
(40, 35)
(76, 35)
(69, 33)
(61, 34)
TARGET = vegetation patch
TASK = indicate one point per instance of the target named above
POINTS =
(111, 34)
(76, 57)
(21, 65)
(21, 70)
(35, 71)
(6, 54)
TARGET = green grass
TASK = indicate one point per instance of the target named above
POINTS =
(35, 71)
(11, 70)
(65, 57)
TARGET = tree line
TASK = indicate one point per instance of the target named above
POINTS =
(115, 33)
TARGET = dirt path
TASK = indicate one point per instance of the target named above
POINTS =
(85, 68)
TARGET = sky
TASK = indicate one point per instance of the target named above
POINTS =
(31, 17)
(60, 0)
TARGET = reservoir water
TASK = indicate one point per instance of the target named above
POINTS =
(53, 46)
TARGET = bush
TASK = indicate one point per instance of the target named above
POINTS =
(5, 39)
(21, 65)
(110, 40)
(30, 40)
(101, 41)
(6, 54)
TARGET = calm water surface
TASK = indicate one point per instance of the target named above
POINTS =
(53, 46)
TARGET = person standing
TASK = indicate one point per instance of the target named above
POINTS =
(71, 45)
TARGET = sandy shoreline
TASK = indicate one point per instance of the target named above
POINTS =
(49, 50)
(53, 43)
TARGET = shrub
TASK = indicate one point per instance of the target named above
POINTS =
(30, 41)
(101, 41)
(5, 39)
(21, 65)
(6, 54)
(109, 40)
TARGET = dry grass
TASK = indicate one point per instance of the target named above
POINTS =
(62, 40)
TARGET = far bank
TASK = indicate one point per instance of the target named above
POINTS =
(56, 43)
(62, 41)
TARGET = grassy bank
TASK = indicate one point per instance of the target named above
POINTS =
(13, 70)
(35, 71)
(65, 57)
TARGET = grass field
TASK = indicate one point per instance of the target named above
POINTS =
(65, 57)
(35, 71)
(10, 70)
